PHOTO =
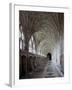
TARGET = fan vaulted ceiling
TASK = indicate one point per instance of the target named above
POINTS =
(46, 27)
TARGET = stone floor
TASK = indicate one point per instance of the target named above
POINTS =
(50, 70)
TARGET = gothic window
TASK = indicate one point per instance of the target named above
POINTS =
(21, 39)
(32, 45)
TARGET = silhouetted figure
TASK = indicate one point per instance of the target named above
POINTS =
(49, 56)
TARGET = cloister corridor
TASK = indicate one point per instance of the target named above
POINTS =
(41, 44)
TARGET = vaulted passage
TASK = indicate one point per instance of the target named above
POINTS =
(41, 44)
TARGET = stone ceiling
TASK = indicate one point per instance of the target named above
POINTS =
(46, 27)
